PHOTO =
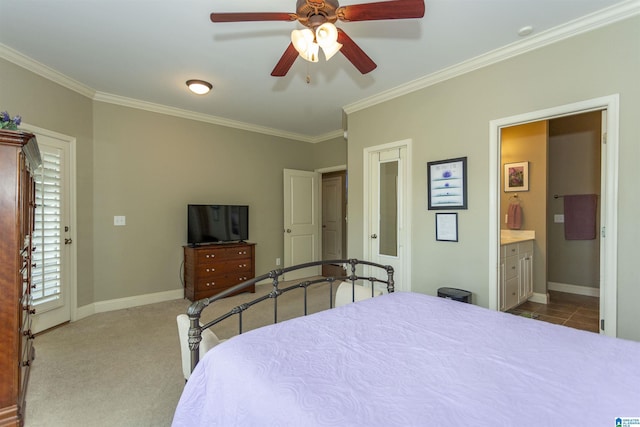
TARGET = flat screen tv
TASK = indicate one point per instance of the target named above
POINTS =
(217, 224)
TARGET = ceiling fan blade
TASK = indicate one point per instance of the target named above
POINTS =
(254, 16)
(286, 61)
(393, 9)
(354, 54)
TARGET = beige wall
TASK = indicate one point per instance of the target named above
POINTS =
(50, 106)
(528, 143)
(148, 167)
(574, 168)
(451, 119)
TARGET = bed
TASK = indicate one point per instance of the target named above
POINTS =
(408, 359)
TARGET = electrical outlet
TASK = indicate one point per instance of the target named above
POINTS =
(277, 261)
(119, 220)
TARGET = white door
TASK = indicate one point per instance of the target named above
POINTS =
(387, 190)
(301, 221)
(52, 234)
(332, 218)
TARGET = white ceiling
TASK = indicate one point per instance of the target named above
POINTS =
(141, 52)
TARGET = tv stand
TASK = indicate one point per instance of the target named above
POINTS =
(211, 269)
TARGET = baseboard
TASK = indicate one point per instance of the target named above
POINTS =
(540, 298)
(573, 289)
(121, 303)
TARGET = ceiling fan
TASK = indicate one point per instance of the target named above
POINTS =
(319, 17)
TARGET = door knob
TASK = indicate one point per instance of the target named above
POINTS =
(374, 236)
(288, 230)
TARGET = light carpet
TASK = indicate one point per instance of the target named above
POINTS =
(123, 368)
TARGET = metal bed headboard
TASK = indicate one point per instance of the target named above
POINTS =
(195, 309)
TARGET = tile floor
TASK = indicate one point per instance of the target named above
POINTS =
(575, 311)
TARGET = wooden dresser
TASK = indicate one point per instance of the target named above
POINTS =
(211, 269)
(19, 156)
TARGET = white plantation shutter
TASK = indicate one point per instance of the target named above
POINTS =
(47, 235)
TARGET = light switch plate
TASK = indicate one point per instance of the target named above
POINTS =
(558, 218)
(119, 220)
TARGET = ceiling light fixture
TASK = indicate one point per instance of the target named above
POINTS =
(199, 87)
(308, 42)
(525, 31)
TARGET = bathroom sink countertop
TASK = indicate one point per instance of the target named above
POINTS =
(516, 236)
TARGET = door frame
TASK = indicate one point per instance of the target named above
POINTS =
(404, 197)
(609, 200)
(72, 262)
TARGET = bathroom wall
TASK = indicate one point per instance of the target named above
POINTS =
(528, 143)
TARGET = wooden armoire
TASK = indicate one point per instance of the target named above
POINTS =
(19, 157)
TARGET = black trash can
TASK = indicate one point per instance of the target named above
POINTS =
(455, 294)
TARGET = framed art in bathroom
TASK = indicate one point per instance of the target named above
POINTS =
(516, 176)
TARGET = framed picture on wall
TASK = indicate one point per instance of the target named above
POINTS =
(447, 227)
(516, 176)
(447, 184)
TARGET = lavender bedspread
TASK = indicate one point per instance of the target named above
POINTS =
(407, 359)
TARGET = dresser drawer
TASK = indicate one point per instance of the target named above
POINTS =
(208, 255)
(238, 253)
(209, 271)
(221, 282)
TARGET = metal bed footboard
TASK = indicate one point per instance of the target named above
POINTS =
(195, 309)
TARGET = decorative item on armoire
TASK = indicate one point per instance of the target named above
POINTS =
(514, 213)
(6, 122)
(580, 216)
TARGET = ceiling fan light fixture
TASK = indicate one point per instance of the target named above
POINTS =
(303, 41)
(199, 87)
(327, 38)
(331, 50)
(326, 34)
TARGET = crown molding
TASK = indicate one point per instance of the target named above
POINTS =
(48, 73)
(42, 70)
(206, 118)
(582, 25)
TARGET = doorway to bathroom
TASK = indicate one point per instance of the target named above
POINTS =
(558, 204)
(567, 151)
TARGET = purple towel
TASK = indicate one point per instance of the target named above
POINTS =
(580, 216)
(514, 216)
